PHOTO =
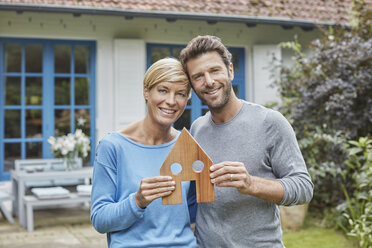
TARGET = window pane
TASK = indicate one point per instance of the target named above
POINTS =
(86, 160)
(34, 58)
(235, 60)
(82, 91)
(33, 91)
(82, 57)
(33, 123)
(62, 59)
(184, 120)
(82, 120)
(62, 91)
(13, 57)
(176, 52)
(236, 90)
(159, 53)
(62, 122)
(12, 123)
(12, 91)
(33, 150)
(12, 151)
(193, 96)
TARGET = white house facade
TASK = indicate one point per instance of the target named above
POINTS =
(61, 70)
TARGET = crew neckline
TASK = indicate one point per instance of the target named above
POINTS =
(148, 146)
(229, 121)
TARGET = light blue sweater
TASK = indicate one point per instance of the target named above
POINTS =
(119, 166)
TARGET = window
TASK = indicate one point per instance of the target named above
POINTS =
(194, 107)
(47, 89)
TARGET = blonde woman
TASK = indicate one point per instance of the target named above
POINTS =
(127, 187)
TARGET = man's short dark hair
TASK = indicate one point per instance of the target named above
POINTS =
(203, 44)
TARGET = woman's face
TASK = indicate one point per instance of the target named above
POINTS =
(166, 101)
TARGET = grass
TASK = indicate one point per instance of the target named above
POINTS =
(314, 235)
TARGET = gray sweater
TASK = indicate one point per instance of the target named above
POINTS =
(265, 142)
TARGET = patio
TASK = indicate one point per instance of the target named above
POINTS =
(57, 228)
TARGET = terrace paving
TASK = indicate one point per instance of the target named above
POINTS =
(54, 228)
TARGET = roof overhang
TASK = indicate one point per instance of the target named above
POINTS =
(168, 15)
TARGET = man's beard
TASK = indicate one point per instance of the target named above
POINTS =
(220, 104)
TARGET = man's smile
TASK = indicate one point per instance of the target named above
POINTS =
(212, 91)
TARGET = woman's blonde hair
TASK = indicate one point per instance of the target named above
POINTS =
(165, 70)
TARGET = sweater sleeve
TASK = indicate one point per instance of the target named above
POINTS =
(286, 160)
(107, 213)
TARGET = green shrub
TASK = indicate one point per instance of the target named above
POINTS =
(327, 97)
(357, 209)
(332, 87)
(324, 155)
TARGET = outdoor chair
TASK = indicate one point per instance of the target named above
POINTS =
(37, 165)
(5, 213)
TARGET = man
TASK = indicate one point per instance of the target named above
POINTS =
(265, 167)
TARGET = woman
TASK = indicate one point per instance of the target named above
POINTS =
(127, 187)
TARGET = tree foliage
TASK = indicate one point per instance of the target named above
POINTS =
(327, 96)
(332, 87)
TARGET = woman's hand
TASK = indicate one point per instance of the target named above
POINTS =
(152, 188)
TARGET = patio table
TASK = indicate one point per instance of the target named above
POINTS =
(20, 178)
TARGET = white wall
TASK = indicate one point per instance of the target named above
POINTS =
(263, 62)
(121, 53)
(129, 58)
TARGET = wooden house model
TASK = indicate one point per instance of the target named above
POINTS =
(187, 152)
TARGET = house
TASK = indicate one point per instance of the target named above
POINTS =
(80, 63)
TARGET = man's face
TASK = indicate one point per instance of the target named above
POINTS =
(210, 79)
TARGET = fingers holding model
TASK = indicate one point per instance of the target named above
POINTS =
(231, 174)
(234, 174)
(152, 188)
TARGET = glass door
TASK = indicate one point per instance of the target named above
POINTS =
(47, 89)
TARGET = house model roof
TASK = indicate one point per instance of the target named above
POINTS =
(296, 12)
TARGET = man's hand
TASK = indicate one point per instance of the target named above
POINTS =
(231, 174)
(234, 174)
(152, 188)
